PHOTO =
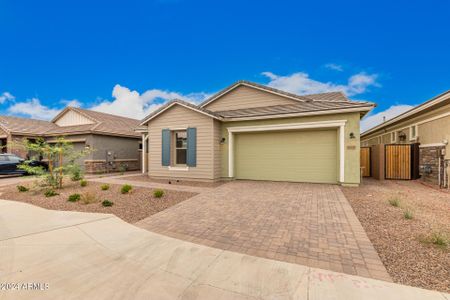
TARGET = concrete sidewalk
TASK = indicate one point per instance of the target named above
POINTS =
(97, 256)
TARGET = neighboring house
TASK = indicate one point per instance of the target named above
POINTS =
(250, 131)
(427, 124)
(111, 138)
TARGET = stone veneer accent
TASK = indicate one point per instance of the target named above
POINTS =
(99, 166)
(429, 159)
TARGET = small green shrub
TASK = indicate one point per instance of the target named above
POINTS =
(107, 203)
(88, 198)
(158, 193)
(75, 173)
(122, 168)
(50, 193)
(104, 187)
(22, 188)
(126, 188)
(83, 182)
(394, 202)
(74, 198)
(407, 214)
(439, 239)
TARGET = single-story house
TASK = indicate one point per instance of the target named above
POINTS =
(111, 139)
(428, 125)
(251, 131)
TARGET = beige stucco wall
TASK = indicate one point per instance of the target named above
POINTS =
(429, 132)
(246, 97)
(178, 117)
(352, 156)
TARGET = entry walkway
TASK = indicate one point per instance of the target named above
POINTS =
(96, 256)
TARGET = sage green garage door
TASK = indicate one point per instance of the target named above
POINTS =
(303, 156)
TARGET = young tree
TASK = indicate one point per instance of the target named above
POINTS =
(61, 157)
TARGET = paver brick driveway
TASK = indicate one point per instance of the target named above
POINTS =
(309, 224)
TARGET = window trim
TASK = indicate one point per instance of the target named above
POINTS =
(394, 137)
(416, 129)
(175, 148)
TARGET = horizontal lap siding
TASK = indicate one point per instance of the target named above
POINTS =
(217, 148)
(180, 117)
(245, 97)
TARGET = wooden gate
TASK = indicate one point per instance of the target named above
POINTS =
(365, 161)
(398, 161)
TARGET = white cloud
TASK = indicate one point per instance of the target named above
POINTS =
(5, 97)
(72, 103)
(334, 67)
(131, 104)
(372, 120)
(34, 109)
(301, 83)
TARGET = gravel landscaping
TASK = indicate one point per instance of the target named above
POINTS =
(134, 206)
(145, 178)
(403, 235)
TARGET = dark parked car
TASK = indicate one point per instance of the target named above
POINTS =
(9, 163)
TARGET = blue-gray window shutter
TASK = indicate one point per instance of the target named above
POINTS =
(165, 157)
(191, 159)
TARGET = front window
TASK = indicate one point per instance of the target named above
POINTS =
(180, 147)
(413, 132)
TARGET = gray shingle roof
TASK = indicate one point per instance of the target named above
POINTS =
(105, 124)
(311, 106)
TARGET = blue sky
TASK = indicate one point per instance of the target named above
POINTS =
(129, 57)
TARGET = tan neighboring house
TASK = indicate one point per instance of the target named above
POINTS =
(250, 131)
(111, 139)
(427, 124)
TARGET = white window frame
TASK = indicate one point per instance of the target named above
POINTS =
(393, 136)
(416, 128)
(175, 148)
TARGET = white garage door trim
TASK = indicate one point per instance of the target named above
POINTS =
(307, 125)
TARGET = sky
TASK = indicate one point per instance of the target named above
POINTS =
(129, 57)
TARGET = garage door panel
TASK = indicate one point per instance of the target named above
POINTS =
(306, 156)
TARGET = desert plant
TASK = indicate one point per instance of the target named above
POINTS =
(126, 188)
(104, 187)
(74, 198)
(75, 172)
(439, 239)
(407, 214)
(158, 193)
(50, 193)
(88, 198)
(83, 182)
(394, 202)
(122, 168)
(107, 203)
(22, 188)
(61, 157)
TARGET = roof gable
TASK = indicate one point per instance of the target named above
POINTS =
(185, 104)
(266, 95)
(70, 117)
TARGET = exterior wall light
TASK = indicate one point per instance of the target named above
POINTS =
(222, 141)
(352, 135)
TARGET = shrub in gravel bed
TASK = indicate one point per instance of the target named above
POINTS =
(88, 198)
(104, 187)
(394, 202)
(83, 182)
(158, 193)
(74, 197)
(407, 214)
(439, 239)
(22, 188)
(50, 193)
(107, 203)
(126, 188)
